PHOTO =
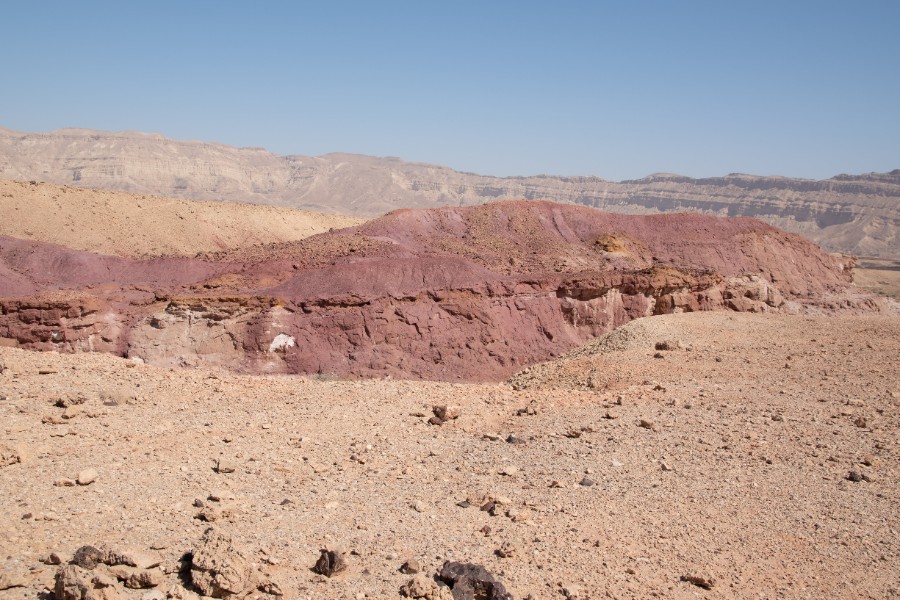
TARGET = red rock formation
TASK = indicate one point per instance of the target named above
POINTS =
(455, 293)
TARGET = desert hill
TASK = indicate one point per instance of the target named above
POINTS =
(855, 214)
(141, 225)
(471, 293)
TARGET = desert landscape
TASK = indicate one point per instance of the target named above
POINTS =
(517, 399)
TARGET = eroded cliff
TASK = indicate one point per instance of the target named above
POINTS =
(455, 293)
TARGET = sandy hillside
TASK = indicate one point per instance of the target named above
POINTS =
(137, 225)
(760, 458)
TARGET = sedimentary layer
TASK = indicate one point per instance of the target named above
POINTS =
(454, 293)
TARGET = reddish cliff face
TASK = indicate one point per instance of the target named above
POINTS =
(455, 293)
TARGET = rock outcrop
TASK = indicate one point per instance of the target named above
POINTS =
(455, 293)
(847, 213)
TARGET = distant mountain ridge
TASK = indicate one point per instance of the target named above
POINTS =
(858, 214)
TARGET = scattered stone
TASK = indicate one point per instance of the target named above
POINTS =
(586, 482)
(87, 477)
(509, 470)
(511, 439)
(74, 583)
(153, 595)
(471, 582)
(647, 424)
(507, 550)
(669, 345)
(330, 563)
(435, 421)
(132, 558)
(701, 582)
(855, 476)
(47, 371)
(445, 412)
(611, 414)
(572, 592)
(71, 412)
(517, 515)
(425, 588)
(88, 557)
(54, 558)
(527, 411)
(665, 466)
(225, 466)
(9, 455)
(419, 506)
(70, 400)
(12, 575)
(463, 504)
(410, 567)
(573, 434)
(272, 588)
(218, 568)
(659, 355)
(219, 496)
(777, 418)
(860, 422)
(137, 579)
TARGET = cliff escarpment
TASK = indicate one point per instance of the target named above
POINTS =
(854, 214)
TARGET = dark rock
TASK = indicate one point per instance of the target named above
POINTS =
(669, 345)
(472, 582)
(88, 557)
(330, 563)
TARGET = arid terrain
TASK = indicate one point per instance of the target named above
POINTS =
(139, 226)
(854, 214)
(760, 457)
(585, 404)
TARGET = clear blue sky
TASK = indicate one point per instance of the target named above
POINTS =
(616, 89)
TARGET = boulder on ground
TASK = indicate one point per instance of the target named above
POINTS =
(471, 582)
(219, 568)
(75, 583)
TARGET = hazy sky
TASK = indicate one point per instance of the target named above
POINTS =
(616, 89)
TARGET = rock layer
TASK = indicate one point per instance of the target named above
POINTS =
(847, 213)
(456, 293)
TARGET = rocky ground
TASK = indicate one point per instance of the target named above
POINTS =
(714, 455)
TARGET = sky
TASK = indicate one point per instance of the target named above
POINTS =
(618, 90)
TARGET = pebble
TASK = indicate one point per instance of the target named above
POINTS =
(586, 482)
(509, 470)
(224, 466)
(410, 567)
(87, 477)
(419, 506)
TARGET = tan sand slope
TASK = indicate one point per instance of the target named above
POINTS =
(139, 225)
